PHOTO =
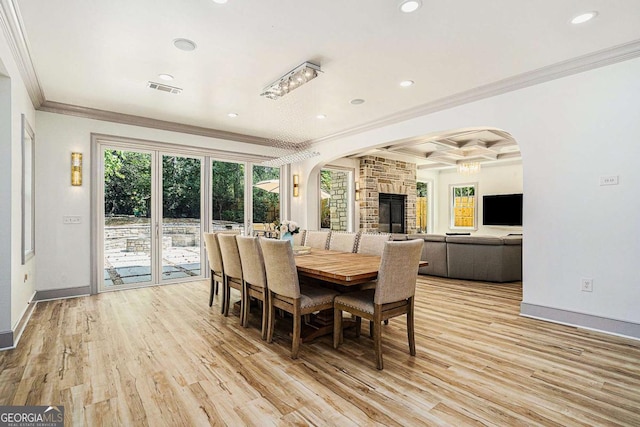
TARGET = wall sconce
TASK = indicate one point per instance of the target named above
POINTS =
(357, 191)
(76, 169)
(296, 185)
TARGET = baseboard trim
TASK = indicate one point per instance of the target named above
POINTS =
(6, 340)
(586, 321)
(62, 293)
(10, 339)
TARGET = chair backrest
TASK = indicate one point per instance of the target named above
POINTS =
(230, 255)
(298, 238)
(252, 261)
(317, 239)
(280, 266)
(213, 253)
(343, 241)
(372, 243)
(398, 271)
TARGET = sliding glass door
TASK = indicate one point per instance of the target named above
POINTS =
(152, 217)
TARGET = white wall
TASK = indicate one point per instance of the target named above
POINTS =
(15, 291)
(64, 250)
(570, 132)
(505, 179)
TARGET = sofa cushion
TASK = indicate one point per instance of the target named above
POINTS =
(428, 237)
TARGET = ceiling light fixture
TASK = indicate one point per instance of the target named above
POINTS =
(295, 78)
(468, 168)
(408, 6)
(321, 116)
(356, 101)
(584, 17)
(184, 44)
(233, 115)
(167, 77)
(407, 83)
(220, 1)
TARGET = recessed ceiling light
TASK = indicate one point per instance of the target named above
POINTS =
(584, 17)
(232, 115)
(408, 6)
(407, 83)
(184, 44)
(167, 77)
(220, 1)
(321, 116)
(356, 101)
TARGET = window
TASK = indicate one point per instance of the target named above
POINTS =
(227, 195)
(335, 199)
(422, 207)
(464, 203)
(266, 194)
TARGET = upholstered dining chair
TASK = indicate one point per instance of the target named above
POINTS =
(372, 243)
(286, 293)
(317, 239)
(254, 277)
(343, 241)
(232, 272)
(298, 238)
(393, 295)
(215, 263)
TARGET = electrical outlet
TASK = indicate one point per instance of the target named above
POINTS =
(586, 285)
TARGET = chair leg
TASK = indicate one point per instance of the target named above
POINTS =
(337, 327)
(224, 295)
(217, 283)
(358, 326)
(297, 323)
(272, 319)
(212, 290)
(377, 337)
(410, 328)
(265, 309)
(370, 328)
(386, 321)
(244, 305)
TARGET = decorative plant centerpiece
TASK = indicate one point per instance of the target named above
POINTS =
(287, 230)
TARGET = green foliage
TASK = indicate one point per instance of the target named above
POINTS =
(228, 191)
(421, 188)
(127, 188)
(266, 205)
(180, 187)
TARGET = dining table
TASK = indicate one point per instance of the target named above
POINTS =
(343, 271)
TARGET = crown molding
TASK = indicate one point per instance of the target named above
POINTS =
(566, 68)
(128, 119)
(13, 27)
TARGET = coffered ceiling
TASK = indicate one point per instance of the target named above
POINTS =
(97, 58)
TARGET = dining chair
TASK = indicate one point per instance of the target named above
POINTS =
(343, 241)
(232, 272)
(285, 291)
(372, 243)
(317, 239)
(254, 278)
(393, 295)
(215, 263)
(298, 238)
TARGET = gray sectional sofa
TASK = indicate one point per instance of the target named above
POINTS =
(486, 258)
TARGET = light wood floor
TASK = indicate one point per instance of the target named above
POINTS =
(161, 356)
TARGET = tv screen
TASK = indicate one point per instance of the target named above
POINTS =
(502, 209)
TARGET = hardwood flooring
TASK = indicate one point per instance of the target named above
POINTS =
(161, 356)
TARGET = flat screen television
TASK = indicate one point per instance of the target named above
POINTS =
(502, 209)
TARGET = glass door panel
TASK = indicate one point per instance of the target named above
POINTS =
(266, 199)
(127, 234)
(227, 196)
(181, 217)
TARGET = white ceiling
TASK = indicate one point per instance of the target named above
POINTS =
(101, 54)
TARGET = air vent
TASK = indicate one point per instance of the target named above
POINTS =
(164, 88)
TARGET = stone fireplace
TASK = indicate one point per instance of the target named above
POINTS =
(393, 177)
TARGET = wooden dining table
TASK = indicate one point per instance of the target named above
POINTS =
(344, 271)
